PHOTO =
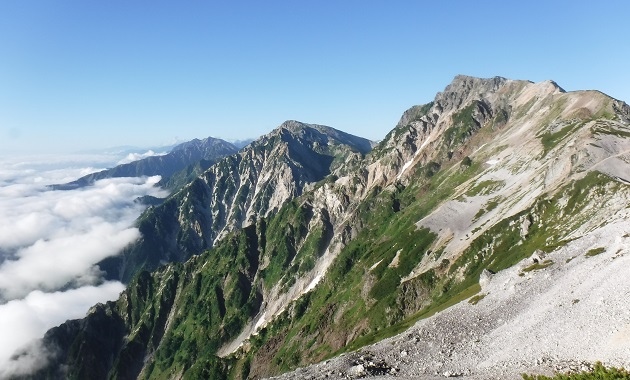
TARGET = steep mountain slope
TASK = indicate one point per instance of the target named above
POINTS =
(186, 175)
(561, 314)
(531, 185)
(182, 156)
(236, 192)
(490, 172)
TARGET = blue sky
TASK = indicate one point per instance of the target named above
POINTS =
(78, 75)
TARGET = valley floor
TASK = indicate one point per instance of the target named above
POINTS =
(532, 319)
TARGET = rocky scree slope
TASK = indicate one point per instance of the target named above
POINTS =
(560, 316)
(188, 154)
(235, 192)
(488, 173)
(546, 179)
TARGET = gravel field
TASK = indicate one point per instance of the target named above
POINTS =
(564, 317)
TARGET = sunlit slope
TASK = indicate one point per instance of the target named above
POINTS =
(488, 173)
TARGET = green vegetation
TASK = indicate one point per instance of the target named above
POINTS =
(215, 301)
(208, 300)
(464, 125)
(466, 162)
(551, 140)
(538, 266)
(595, 251)
(420, 111)
(485, 187)
(441, 304)
(491, 205)
(368, 294)
(431, 168)
(187, 175)
(500, 119)
(475, 299)
(503, 245)
(599, 372)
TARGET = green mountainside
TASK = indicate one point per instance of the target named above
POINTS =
(304, 245)
(235, 192)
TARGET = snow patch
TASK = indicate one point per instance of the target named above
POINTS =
(406, 166)
(313, 283)
(376, 264)
(261, 321)
(408, 163)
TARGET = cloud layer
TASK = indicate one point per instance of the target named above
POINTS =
(27, 319)
(138, 156)
(50, 242)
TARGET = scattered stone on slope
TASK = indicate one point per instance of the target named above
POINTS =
(528, 324)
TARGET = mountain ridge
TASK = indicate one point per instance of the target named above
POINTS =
(253, 183)
(181, 156)
(489, 173)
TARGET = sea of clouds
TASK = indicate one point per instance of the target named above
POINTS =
(131, 157)
(51, 240)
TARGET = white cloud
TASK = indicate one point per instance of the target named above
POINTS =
(131, 157)
(32, 214)
(50, 242)
(26, 320)
(51, 264)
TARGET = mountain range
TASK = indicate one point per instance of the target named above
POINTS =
(310, 244)
(234, 193)
(184, 161)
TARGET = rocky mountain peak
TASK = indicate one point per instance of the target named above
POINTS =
(293, 126)
(178, 159)
(497, 185)
(324, 135)
(238, 190)
(555, 86)
(465, 83)
(200, 144)
(464, 88)
(307, 132)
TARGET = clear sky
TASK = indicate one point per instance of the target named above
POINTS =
(82, 74)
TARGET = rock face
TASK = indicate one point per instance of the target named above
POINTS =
(314, 247)
(182, 156)
(235, 192)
